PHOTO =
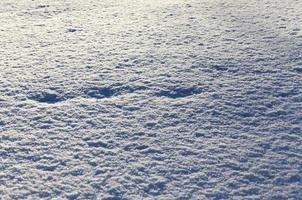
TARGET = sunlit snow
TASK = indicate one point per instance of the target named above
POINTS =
(129, 100)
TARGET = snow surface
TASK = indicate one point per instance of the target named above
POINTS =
(174, 99)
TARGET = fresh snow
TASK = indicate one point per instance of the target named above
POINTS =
(174, 99)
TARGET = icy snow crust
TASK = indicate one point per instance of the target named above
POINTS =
(195, 99)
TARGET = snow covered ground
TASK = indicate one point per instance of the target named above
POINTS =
(174, 99)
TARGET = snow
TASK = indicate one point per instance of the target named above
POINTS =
(195, 99)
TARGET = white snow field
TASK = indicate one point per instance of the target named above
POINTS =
(133, 99)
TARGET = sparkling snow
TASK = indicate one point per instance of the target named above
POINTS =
(174, 99)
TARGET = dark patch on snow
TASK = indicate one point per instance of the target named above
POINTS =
(71, 30)
(42, 6)
(44, 194)
(298, 69)
(286, 93)
(100, 144)
(155, 188)
(73, 196)
(131, 147)
(220, 67)
(114, 198)
(46, 97)
(47, 167)
(175, 93)
(110, 91)
(77, 172)
(100, 93)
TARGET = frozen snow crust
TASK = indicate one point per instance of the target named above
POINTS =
(195, 99)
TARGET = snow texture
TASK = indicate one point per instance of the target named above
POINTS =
(174, 99)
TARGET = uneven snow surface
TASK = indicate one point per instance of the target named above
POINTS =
(174, 99)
